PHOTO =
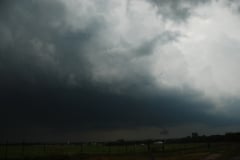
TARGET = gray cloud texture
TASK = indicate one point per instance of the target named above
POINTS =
(94, 65)
(177, 10)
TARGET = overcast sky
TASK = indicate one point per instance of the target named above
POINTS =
(110, 69)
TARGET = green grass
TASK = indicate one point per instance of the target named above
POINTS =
(188, 151)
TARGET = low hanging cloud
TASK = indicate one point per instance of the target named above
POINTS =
(80, 65)
(177, 11)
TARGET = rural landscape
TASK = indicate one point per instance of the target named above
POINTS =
(215, 147)
(119, 79)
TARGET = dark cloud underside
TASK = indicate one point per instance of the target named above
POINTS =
(95, 72)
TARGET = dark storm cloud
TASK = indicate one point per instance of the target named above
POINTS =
(234, 4)
(89, 109)
(147, 47)
(177, 10)
(36, 47)
(46, 75)
(28, 48)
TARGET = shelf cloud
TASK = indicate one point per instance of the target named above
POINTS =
(102, 66)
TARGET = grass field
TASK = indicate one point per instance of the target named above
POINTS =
(188, 151)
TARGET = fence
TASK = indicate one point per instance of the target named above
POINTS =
(24, 150)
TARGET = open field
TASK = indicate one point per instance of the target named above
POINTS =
(183, 151)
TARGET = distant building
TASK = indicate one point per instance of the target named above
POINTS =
(158, 142)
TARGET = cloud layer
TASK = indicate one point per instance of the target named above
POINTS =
(74, 65)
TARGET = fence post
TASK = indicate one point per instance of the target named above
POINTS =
(109, 149)
(208, 145)
(148, 147)
(23, 150)
(184, 147)
(44, 149)
(81, 147)
(6, 151)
